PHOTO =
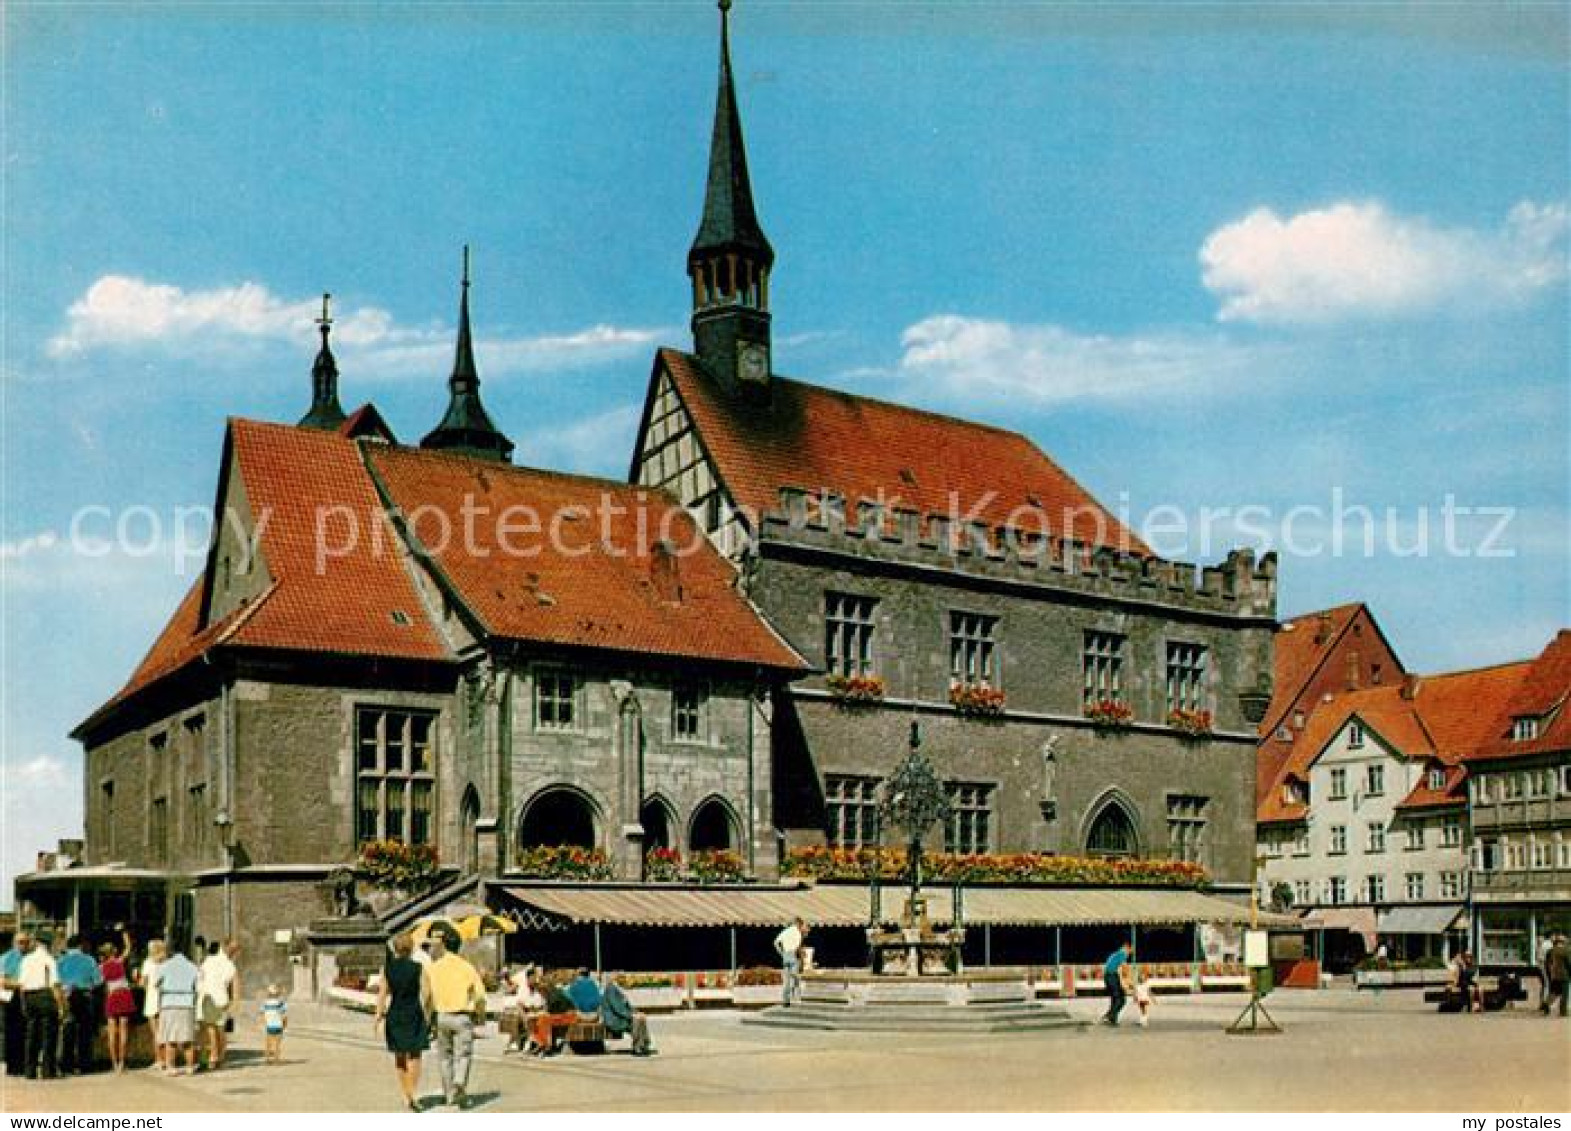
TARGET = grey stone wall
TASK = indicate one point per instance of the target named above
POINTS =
(1040, 637)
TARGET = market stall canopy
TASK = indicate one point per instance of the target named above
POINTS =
(1419, 920)
(1358, 920)
(847, 906)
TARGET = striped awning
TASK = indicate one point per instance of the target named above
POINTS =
(846, 905)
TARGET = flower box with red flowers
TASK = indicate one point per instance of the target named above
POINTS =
(1109, 714)
(662, 865)
(977, 700)
(859, 864)
(392, 864)
(717, 866)
(1191, 724)
(562, 862)
(856, 690)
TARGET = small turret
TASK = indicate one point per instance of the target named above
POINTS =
(325, 412)
(466, 427)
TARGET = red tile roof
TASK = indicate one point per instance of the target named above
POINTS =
(820, 439)
(1542, 695)
(616, 594)
(340, 583)
(1447, 719)
(1452, 791)
(1300, 646)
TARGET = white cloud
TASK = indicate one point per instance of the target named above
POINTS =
(1359, 260)
(40, 802)
(32, 544)
(595, 445)
(121, 312)
(978, 358)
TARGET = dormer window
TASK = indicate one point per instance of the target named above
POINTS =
(1355, 735)
(1524, 729)
(1437, 778)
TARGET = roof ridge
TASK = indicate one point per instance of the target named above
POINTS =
(1421, 676)
(481, 463)
(900, 405)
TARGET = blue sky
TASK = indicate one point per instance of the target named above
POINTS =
(1207, 257)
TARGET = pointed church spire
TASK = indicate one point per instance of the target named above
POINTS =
(730, 259)
(467, 427)
(730, 221)
(325, 412)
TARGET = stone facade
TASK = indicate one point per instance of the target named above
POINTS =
(1042, 610)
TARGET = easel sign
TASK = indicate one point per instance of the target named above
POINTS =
(1257, 950)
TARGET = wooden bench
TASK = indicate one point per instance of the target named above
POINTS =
(587, 1038)
(1502, 992)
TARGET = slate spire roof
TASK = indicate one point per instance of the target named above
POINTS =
(466, 427)
(730, 222)
(325, 412)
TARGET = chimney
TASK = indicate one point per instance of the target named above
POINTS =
(664, 573)
(1409, 687)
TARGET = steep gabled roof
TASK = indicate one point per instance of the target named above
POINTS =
(605, 583)
(1452, 791)
(1542, 695)
(815, 438)
(1444, 718)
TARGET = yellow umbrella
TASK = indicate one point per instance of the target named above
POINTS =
(475, 926)
(422, 930)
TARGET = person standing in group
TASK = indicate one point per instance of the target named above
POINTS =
(403, 1002)
(176, 983)
(15, 1022)
(119, 1003)
(458, 1000)
(79, 980)
(219, 988)
(1113, 980)
(275, 1019)
(147, 978)
(43, 1003)
(788, 945)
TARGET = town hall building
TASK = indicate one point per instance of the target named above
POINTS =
(723, 654)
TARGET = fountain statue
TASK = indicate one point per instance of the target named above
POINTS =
(913, 801)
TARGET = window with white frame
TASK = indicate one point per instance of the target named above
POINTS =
(1338, 839)
(1451, 833)
(1102, 667)
(1539, 783)
(1355, 735)
(969, 828)
(1374, 889)
(395, 766)
(1437, 778)
(1515, 854)
(556, 699)
(973, 649)
(1541, 854)
(1487, 855)
(1562, 852)
(1565, 780)
(848, 634)
(1338, 783)
(1524, 729)
(1374, 780)
(1413, 887)
(1186, 826)
(1301, 841)
(1336, 890)
(1375, 837)
(1450, 885)
(687, 711)
(851, 806)
(1415, 836)
(1301, 893)
(1186, 676)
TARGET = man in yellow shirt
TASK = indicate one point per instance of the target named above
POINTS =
(457, 1000)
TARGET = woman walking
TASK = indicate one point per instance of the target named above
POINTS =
(147, 978)
(402, 1006)
(119, 1003)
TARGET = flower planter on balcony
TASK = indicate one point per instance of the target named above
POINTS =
(1190, 724)
(852, 691)
(1110, 715)
(977, 700)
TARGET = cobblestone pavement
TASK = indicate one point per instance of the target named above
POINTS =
(1342, 1051)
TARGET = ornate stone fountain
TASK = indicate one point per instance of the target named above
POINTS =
(916, 978)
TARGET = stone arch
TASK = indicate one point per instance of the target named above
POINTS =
(658, 819)
(1112, 826)
(468, 834)
(559, 814)
(714, 826)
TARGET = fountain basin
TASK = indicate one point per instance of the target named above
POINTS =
(997, 1000)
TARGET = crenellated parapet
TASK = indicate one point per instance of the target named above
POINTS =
(876, 531)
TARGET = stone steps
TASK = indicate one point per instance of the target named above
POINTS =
(891, 1017)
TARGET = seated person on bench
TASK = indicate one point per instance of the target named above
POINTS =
(621, 1019)
(546, 1028)
(585, 995)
